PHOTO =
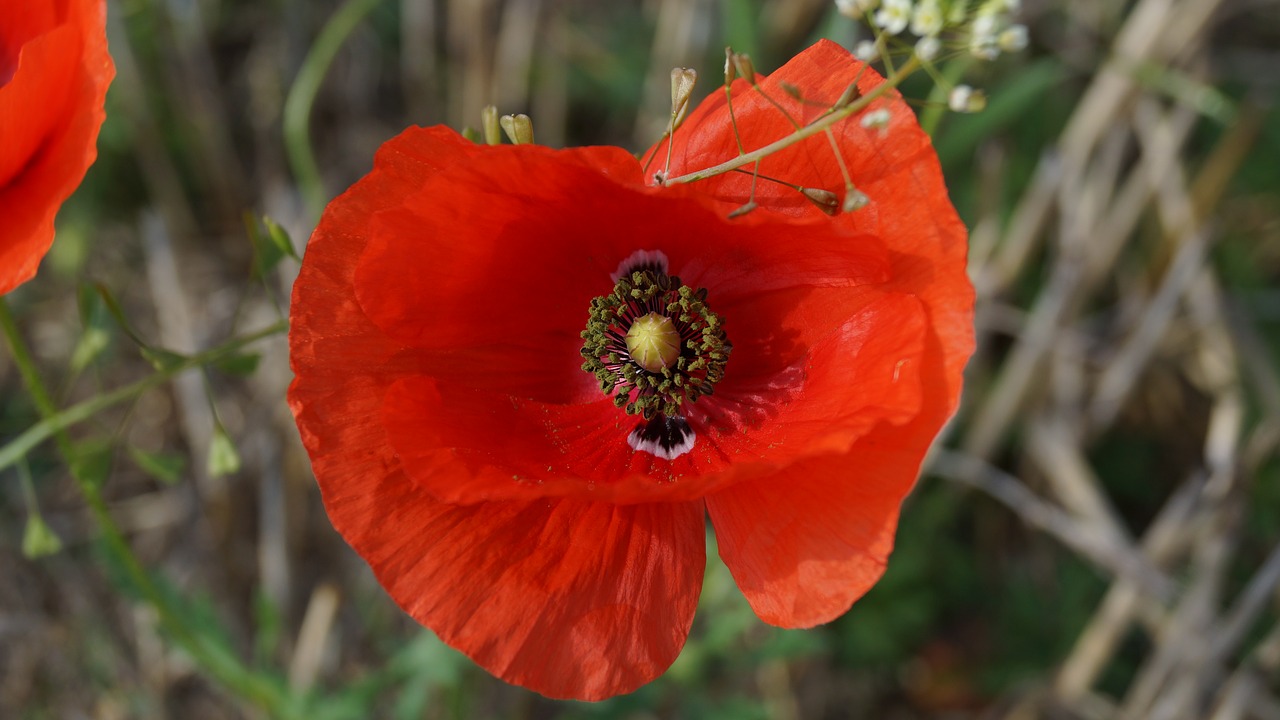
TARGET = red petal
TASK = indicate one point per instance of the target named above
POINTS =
(343, 364)
(510, 248)
(487, 276)
(50, 113)
(896, 167)
(569, 599)
(470, 444)
(804, 544)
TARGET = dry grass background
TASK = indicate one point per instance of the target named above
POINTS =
(1098, 535)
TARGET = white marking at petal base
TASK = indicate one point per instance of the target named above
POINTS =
(667, 438)
(639, 259)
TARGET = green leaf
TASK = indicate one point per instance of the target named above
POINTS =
(223, 458)
(269, 629)
(92, 462)
(90, 345)
(161, 359)
(268, 248)
(113, 308)
(96, 336)
(39, 540)
(280, 238)
(165, 467)
(239, 364)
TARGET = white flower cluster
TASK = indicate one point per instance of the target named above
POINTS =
(990, 30)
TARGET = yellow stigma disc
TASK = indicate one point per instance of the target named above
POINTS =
(653, 342)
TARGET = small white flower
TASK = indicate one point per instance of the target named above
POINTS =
(866, 51)
(984, 48)
(964, 99)
(983, 40)
(856, 8)
(1013, 39)
(894, 15)
(877, 119)
(1012, 6)
(927, 19)
(927, 48)
(985, 24)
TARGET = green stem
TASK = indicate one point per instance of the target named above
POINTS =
(55, 421)
(817, 126)
(219, 663)
(936, 105)
(302, 95)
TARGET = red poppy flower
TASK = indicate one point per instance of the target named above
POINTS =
(54, 72)
(785, 370)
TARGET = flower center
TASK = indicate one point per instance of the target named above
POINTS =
(653, 342)
(654, 345)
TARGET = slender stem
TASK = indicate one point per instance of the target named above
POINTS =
(297, 106)
(936, 104)
(55, 421)
(817, 126)
(844, 169)
(26, 365)
(219, 663)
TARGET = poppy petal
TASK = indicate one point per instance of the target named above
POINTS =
(65, 73)
(608, 591)
(805, 547)
(895, 166)
(468, 460)
(469, 445)
(570, 599)
(542, 249)
(804, 544)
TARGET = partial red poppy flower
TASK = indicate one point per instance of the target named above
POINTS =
(525, 376)
(54, 73)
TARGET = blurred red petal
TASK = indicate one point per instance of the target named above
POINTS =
(50, 111)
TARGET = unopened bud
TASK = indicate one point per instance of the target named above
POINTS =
(927, 47)
(1013, 38)
(964, 99)
(744, 209)
(519, 128)
(791, 90)
(742, 62)
(854, 199)
(490, 126)
(730, 70)
(39, 540)
(877, 119)
(855, 8)
(827, 201)
(682, 82)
